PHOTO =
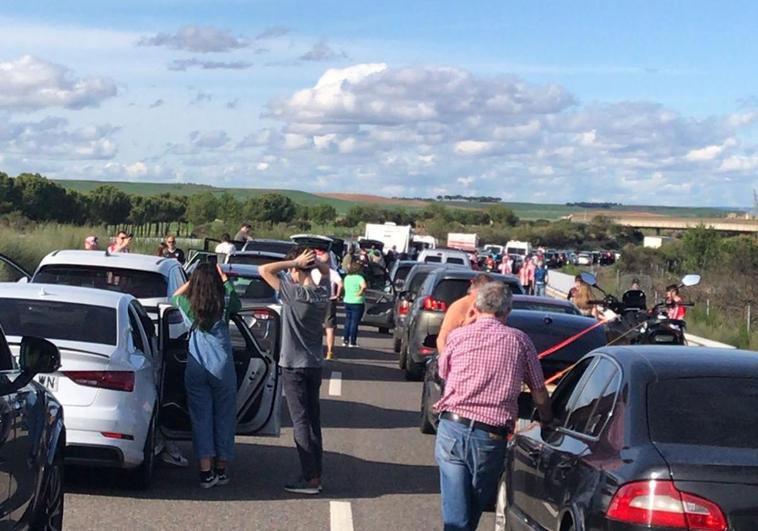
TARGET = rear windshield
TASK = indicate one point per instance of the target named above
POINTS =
(140, 284)
(252, 288)
(543, 307)
(450, 290)
(704, 411)
(58, 320)
(433, 259)
(402, 272)
(269, 247)
(252, 259)
(417, 280)
(455, 261)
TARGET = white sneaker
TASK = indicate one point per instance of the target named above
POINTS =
(173, 456)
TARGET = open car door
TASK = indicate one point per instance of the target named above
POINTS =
(11, 271)
(259, 387)
(379, 296)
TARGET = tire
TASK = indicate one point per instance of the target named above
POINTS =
(396, 344)
(501, 506)
(426, 426)
(141, 477)
(403, 355)
(49, 512)
(414, 372)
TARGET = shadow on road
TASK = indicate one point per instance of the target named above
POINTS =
(357, 415)
(259, 473)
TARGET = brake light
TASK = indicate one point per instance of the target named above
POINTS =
(425, 351)
(434, 305)
(660, 504)
(115, 380)
(262, 315)
(404, 308)
(113, 435)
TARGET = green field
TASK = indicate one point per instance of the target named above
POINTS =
(527, 211)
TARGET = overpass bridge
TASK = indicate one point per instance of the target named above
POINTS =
(680, 223)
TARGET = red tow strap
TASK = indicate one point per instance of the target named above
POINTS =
(559, 346)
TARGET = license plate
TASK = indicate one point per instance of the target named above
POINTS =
(51, 382)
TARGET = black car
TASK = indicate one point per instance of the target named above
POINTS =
(646, 437)
(32, 439)
(546, 328)
(441, 288)
(405, 297)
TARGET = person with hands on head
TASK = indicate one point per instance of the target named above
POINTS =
(121, 243)
(304, 306)
(484, 366)
(206, 301)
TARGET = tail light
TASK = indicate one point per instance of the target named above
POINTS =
(115, 380)
(660, 504)
(263, 315)
(434, 305)
(404, 308)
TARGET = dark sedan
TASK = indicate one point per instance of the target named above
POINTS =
(546, 330)
(32, 439)
(647, 438)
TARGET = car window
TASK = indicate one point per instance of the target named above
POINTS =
(269, 247)
(514, 286)
(135, 326)
(545, 307)
(416, 281)
(717, 412)
(598, 391)
(402, 272)
(251, 259)
(147, 324)
(175, 280)
(561, 398)
(376, 277)
(6, 359)
(140, 284)
(433, 259)
(252, 288)
(59, 320)
(451, 289)
(458, 261)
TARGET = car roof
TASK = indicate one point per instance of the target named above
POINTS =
(243, 270)
(674, 361)
(62, 293)
(252, 252)
(140, 262)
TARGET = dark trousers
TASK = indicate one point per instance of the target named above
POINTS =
(302, 389)
(353, 316)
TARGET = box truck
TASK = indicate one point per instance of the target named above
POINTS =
(463, 241)
(392, 235)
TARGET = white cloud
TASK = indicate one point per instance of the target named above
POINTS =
(706, 153)
(181, 65)
(473, 147)
(322, 51)
(31, 83)
(199, 39)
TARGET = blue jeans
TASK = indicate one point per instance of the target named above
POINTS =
(212, 404)
(539, 289)
(353, 316)
(471, 462)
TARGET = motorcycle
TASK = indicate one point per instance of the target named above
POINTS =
(630, 322)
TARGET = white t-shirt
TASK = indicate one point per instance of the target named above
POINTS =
(225, 248)
(335, 281)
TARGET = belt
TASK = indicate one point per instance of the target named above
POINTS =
(497, 430)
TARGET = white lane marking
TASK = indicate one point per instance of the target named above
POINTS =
(335, 384)
(341, 516)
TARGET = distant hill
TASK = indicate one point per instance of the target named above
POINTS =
(342, 202)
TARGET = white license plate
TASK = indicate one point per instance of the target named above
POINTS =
(51, 382)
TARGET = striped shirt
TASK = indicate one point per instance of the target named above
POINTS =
(484, 365)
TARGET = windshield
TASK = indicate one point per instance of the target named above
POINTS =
(716, 412)
(252, 288)
(269, 247)
(252, 259)
(58, 320)
(139, 284)
(545, 307)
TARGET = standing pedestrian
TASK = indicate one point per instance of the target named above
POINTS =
(304, 306)
(172, 251)
(540, 279)
(355, 288)
(90, 243)
(484, 366)
(330, 318)
(506, 265)
(161, 250)
(206, 301)
(120, 243)
(226, 246)
(244, 233)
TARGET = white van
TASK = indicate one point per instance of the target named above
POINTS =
(519, 248)
(444, 256)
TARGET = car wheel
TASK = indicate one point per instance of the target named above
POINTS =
(141, 477)
(396, 345)
(413, 371)
(49, 515)
(403, 356)
(501, 506)
(426, 425)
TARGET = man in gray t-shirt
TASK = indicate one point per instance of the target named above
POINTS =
(304, 305)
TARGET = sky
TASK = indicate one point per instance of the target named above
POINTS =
(643, 102)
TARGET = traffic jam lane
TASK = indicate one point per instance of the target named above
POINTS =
(379, 469)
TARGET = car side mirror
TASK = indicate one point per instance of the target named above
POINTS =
(38, 355)
(589, 278)
(691, 280)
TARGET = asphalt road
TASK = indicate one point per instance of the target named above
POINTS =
(379, 469)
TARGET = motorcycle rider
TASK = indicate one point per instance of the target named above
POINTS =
(675, 303)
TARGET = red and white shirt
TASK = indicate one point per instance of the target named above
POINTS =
(484, 365)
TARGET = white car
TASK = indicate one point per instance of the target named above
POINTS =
(584, 259)
(117, 376)
(444, 256)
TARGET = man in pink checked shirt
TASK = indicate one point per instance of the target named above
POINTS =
(483, 365)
